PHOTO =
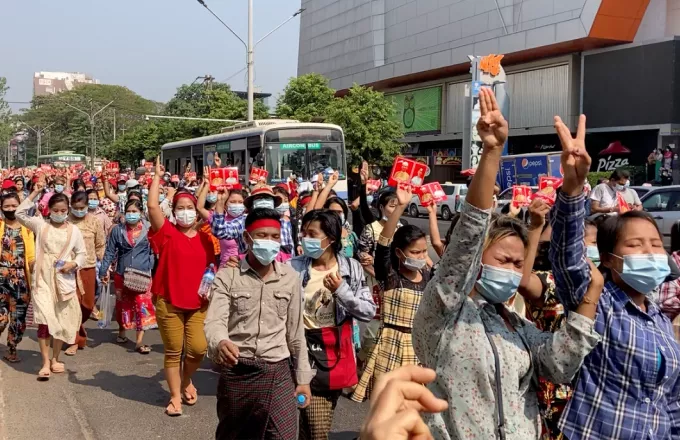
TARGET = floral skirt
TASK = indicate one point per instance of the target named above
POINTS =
(133, 310)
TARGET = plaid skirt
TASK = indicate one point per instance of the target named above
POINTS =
(393, 349)
(256, 401)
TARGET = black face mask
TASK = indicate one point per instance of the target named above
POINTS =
(542, 262)
(9, 215)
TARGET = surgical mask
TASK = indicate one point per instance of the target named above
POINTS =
(122, 188)
(9, 215)
(644, 272)
(93, 204)
(186, 217)
(211, 198)
(132, 217)
(311, 247)
(593, 254)
(145, 191)
(161, 197)
(620, 187)
(265, 250)
(78, 213)
(369, 199)
(58, 218)
(342, 219)
(263, 203)
(497, 285)
(627, 183)
(283, 208)
(414, 264)
(59, 188)
(236, 210)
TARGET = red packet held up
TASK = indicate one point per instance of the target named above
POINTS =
(113, 167)
(521, 195)
(373, 185)
(431, 193)
(623, 205)
(189, 177)
(547, 189)
(224, 178)
(407, 171)
(174, 178)
(258, 175)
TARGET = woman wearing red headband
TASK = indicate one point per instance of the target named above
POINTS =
(180, 311)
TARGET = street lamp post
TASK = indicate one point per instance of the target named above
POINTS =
(90, 116)
(250, 50)
(38, 133)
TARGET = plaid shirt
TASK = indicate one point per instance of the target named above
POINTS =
(233, 230)
(621, 392)
(669, 294)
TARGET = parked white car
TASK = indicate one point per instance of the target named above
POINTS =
(455, 196)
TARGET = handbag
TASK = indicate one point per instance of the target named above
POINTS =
(137, 281)
(331, 353)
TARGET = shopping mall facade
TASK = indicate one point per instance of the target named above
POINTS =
(617, 61)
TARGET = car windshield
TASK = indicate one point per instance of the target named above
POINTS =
(305, 159)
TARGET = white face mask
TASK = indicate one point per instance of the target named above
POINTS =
(185, 217)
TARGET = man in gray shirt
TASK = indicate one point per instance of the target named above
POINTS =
(605, 196)
(255, 330)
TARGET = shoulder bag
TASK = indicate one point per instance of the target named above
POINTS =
(135, 280)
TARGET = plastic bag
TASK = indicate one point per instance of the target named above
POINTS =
(107, 302)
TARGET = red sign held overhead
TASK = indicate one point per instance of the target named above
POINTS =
(547, 189)
(258, 175)
(521, 195)
(431, 193)
(112, 167)
(491, 64)
(407, 171)
(224, 178)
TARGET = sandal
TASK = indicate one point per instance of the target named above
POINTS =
(172, 410)
(189, 398)
(44, 374)
(122, 340)
(11, 358)
(72, 350)
(57, 367)
(143, 349)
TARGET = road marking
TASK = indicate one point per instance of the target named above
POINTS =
(85, 429)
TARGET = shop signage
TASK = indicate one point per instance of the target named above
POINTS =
(446, 157)
(418, 111)
(608, 162)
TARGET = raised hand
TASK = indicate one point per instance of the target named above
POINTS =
(364, 172)
(404, 194)
(575, 159)
(492, 126)
(218, 161)
(159, 167)
(333, 179)
(537, 211)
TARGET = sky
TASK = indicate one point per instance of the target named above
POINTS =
(150, 46)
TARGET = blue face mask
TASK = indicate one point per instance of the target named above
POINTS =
(211, 198)
(644, 272)
(263, 203)
(132, 217)
(497, 285)
(93, 204)
(369, 199)
(59, 188)
(236, 210)
(79, 214)
(283, 208)
(311, 247)
(265, 250)
(122, 188)
(161, 197)
(593, 254)
(58, 218)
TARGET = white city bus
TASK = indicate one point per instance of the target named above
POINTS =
(282, 147)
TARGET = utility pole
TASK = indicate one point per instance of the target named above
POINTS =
(38, 134)
(251, 66)
(90, 117)
(114, 124)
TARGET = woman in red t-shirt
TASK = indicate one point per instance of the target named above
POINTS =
(184, 254)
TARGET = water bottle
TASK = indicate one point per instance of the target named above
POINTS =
(206, 282)
(301, 399)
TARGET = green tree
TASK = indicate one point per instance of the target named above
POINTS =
(366, 118)
(305, 98)
(5, 113)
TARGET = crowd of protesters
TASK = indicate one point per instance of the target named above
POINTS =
(591, 354)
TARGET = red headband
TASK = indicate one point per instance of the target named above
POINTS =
(305, 200)
(264, 223)
(180, 195)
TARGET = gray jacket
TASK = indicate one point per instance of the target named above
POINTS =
(353, 297)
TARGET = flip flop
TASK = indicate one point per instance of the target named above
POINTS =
(174, 412)
(193, 398)
(72, 350)
(57, 367)
(143, 349)
(44, 374)
(123, 340)
(11, 359)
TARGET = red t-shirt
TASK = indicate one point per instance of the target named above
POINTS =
(181, 264)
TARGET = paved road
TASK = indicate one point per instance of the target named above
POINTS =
(111, 392)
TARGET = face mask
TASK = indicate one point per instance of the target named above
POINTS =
(311, 247)
(59, 188)
(93, 204)
(644, 272)
(132, 217)
(369, 199)
(211, 198)
(121, 188)
(236, 210)
(342, 219)
(283, 208)
(145, 191)
(265, 250)
(161, 197)
(593, 254)
(9, 215)
(186, 217)
(263, 203)
(414, 264)
(79, 214)
(627, 183)
(620, 187)
(497, 285)
(58, 218)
